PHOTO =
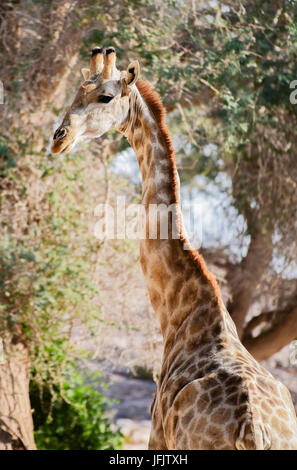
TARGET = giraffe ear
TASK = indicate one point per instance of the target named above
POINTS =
(132, 73)
(85, 73)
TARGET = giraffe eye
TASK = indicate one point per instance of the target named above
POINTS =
(104, 99)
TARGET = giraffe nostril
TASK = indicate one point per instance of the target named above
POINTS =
(60, 133)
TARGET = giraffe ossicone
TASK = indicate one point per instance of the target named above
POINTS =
(211, 394)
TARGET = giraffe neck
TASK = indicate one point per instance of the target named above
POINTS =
(177, 278)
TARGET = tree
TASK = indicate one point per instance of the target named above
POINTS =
(245, 54)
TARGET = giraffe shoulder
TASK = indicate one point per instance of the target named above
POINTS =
(184, 407)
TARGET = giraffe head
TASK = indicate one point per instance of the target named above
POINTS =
(101, 102)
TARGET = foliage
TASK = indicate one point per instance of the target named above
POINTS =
(46, 271)
(245, 54)
(76, 418)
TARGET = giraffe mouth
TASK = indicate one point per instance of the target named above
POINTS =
(58, 148)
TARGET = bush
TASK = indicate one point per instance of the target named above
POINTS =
(74, 419)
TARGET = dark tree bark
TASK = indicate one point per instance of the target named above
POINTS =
(16, 425)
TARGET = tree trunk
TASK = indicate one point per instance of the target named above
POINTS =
(16, 425)
(245, 278)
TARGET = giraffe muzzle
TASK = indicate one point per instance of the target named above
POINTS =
(62, 140)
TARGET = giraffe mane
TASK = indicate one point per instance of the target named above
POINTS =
(156, 107)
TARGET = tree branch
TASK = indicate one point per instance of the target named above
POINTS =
(273, 340)
(244, 279)
(264, 317)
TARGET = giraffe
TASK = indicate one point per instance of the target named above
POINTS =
(211, 393)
